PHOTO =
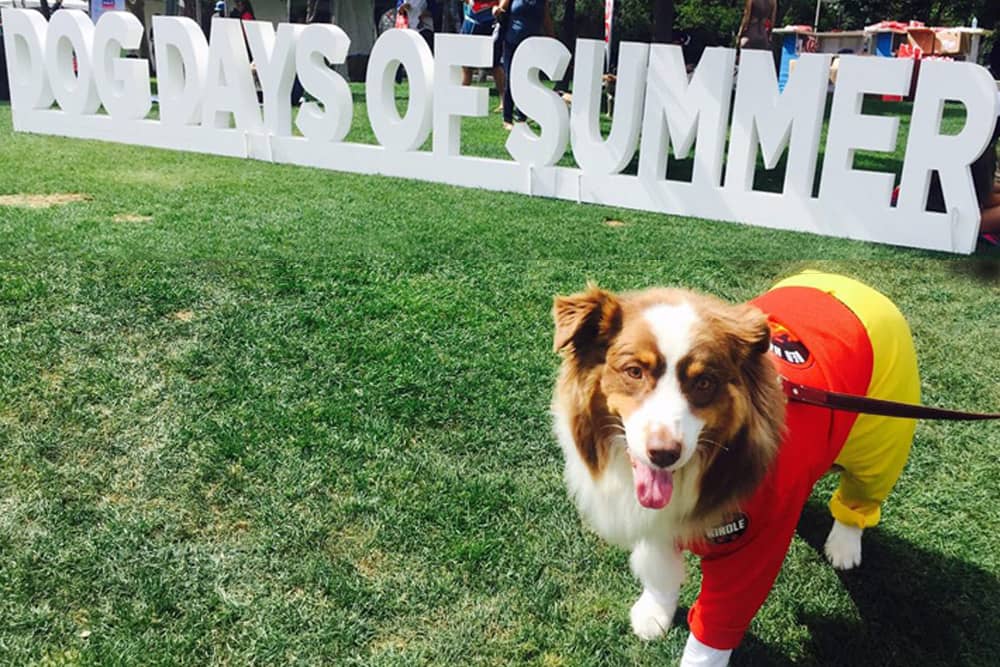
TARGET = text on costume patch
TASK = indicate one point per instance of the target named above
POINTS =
(731, 530)
(787, 347)
(207, 103)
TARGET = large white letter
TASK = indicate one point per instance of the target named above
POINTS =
(775, 120)
(593, 153)
(123, 83)
(927, 149)
(538, 101)
(677, 111)
(452, 100)
(229, 87)
(866, 193)
(317, 44)
(24, 46)
(275, 61)
(70, 31)
(395, 48)
(181, 69)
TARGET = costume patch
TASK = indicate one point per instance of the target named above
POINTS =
(730, 531)
(787, 347)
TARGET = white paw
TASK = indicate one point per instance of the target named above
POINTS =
(843, 546)
(650, 619)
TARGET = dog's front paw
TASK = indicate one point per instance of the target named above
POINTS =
(843, 546)
(650, 619)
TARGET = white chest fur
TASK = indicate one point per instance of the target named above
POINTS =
(608, 502)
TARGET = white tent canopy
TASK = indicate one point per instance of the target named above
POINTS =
(35, 4)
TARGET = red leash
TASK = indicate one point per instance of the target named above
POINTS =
(802, 393)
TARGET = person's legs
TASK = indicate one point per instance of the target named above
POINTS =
(989, 222)
(498, 71)
(501, 80)
(508, 101)
(984, 170)
(468, 28)
(428, 36)
(562, 85)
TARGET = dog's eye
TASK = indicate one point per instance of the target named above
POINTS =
(704, 385)
(634, 372)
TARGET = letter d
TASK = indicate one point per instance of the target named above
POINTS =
(24, 46)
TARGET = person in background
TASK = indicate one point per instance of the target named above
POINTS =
(519, 20)
(479, 20)
(758, 21)
(220, 9)
(419, 18)
(437, 15)
(243, 10)
(987, 185)
(989, 224)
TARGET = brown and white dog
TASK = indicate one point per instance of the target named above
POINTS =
(671, 418)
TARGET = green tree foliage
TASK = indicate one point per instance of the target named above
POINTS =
(715, 22)
(847, 14)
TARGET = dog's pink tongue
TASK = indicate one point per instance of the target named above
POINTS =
(653, 486)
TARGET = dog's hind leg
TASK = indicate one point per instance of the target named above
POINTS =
(872, 460)
(660, 568)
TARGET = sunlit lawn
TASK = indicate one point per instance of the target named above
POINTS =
(259, 414)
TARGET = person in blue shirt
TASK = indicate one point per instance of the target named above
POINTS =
(479, 20)
(519, 20)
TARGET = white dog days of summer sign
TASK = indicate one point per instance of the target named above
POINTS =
(208, 104)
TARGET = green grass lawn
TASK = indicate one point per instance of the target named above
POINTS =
(259, 414)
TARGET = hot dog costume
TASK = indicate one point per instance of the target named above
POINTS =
(835, 333)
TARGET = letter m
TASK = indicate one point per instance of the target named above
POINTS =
(678, 111)
(776, 120)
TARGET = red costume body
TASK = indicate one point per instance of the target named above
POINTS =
(819, 341)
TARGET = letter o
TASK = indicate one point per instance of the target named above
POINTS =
(71, 30)
(395, 48)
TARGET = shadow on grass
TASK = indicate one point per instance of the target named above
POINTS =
(985, 269)
(917, 607)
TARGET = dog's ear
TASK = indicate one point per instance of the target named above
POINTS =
(586, 319)
(747, 328)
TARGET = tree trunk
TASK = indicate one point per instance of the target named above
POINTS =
(138, 9)
(318, 11)
(663, 21)
(567, 32)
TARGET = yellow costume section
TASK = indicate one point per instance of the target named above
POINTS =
(877, 447)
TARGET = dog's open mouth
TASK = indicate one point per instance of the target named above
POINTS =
(653, 486)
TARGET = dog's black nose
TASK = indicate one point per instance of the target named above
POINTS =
(666, 456)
